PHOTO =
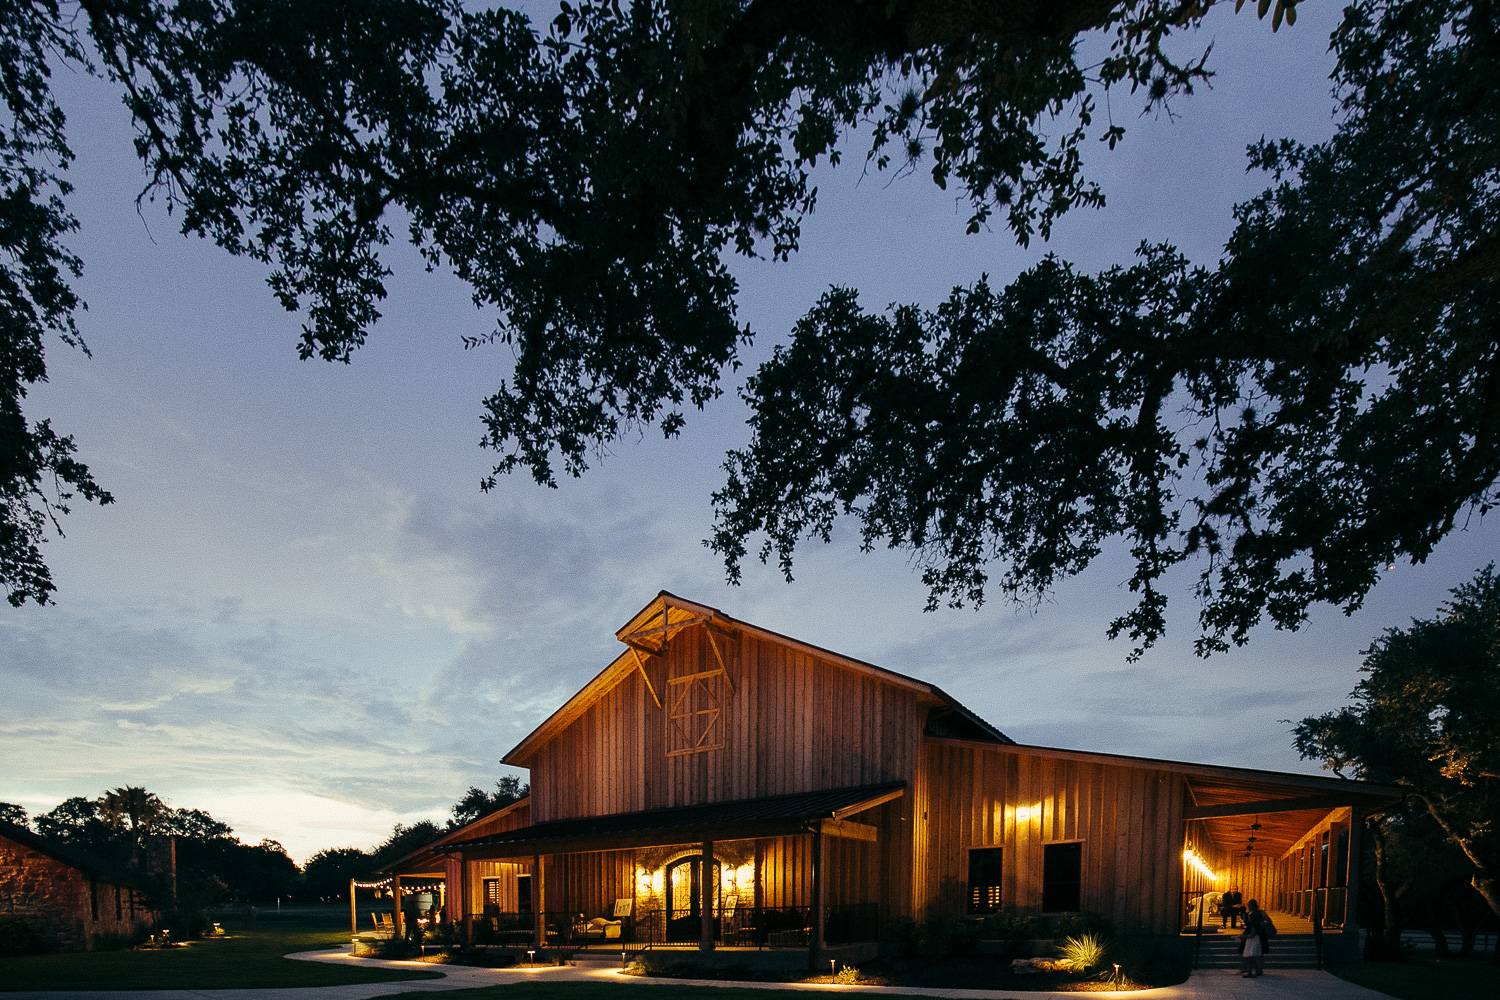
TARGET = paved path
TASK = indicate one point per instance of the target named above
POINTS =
(1289, 984)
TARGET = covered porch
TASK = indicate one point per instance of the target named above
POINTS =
(781, 873)
(1293, 847)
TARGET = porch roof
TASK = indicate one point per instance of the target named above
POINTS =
(768, 816)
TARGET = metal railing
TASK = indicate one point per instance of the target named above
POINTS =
(759, 927)
(741, 926)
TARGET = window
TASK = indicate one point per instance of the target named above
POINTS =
(695, 716)
(1062, 877)
(1323, 861)
(1341, 863)
(492, 891)
(523, 893)
(985, 869)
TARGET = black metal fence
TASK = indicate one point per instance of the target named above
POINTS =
(740, 927)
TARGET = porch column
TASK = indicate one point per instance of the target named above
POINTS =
(538, 918)
(465, 894)
(1351, 887)
(706, 886)
(398, 918)
(819, 901)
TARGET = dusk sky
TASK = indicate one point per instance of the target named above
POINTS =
(302, 614)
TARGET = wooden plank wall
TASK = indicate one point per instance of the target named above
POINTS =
(793, 723)
(1129, 820)
(785, 871)
(505, 871)
(589, 883)
(1255, 877)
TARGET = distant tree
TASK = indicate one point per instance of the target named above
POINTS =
(476, 802)
(404, 840)
(328, 872)
(132, 809)
(12, 813)
(193, 824)
(78, 821)
(260, 871)
(1424, 717)
(211, 861)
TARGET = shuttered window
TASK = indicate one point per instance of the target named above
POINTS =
(985, 869)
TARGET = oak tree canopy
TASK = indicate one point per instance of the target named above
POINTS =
(1320, 402)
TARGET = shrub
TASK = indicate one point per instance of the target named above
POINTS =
(848, 975)
(942, 938)
(1013, 932)
(1084, 951)
(398, 948)
(17, 938)
(1072, 925)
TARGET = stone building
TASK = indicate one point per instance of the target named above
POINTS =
(69, 900)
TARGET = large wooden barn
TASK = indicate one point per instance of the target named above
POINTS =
(723, 786)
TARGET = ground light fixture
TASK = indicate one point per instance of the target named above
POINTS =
(531, 958)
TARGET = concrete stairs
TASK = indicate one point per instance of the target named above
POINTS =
(1221, 951)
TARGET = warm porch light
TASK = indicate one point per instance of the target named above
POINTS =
(745, 875)
(1025, 814)
(1199, 865)
(649, 883)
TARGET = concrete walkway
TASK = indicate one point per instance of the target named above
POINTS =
(1288, 984)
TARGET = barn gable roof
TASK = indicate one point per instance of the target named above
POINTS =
(650, 629)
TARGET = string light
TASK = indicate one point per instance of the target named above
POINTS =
(1199, 865)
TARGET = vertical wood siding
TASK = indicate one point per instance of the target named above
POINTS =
(792, 723)
(1129, 820)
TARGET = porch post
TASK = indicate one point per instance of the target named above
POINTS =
(1351, 886)
(398, 919)
(819, 899)
(706, 886)
(538, 918)
(465, 893)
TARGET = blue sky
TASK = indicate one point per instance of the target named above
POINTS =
(303, 615)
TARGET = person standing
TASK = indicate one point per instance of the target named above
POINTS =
(1255, 941)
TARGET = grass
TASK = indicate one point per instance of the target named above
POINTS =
(244, 959)
(1426, 977)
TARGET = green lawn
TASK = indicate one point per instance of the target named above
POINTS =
(1426, 977)
(245, 959)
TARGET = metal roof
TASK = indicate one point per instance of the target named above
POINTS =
(687, 824)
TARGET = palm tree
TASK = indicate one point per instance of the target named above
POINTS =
(142, 808)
